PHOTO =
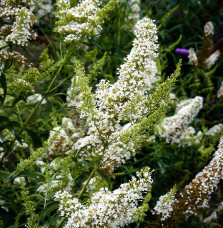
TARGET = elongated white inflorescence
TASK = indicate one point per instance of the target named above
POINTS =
(16, 29)
(210, 61)
(136, 75)
(164, 206)
(175, 128)
(197, 194)
(216, 130)
(114, 104)
(106, 209)
(192, 57)
(122, 101)
(209, 28)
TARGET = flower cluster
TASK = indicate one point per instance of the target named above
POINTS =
(211, 60)
(209, 28)
(136, 76)
(197, 194)
(106, 208)
(121, 102)
(16, 29)
(81, 21)
(20, 31)
(210, 218)
(215, 131)
(62, 138)
(164, 205)
(175, 128)
(207, 56)
(113, 105)
(192, 57)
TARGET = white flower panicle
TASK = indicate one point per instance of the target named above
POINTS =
(16, 29)
(220, 206)
(197, 194)
(175, 128)
(216, 130)
(164, 206)
(79, 21)
(210, 61)
(123, 101)
(220, 91)
(192, 57)
(20, 31)
(209, 29)
(106, 208)
(136, 76)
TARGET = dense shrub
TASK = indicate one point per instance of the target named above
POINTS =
(111, 113)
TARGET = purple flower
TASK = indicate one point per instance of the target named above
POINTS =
(139, 11)
(197, 120)
(182, 51)
(212, 101)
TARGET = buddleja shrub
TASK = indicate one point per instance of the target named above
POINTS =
(65, 133)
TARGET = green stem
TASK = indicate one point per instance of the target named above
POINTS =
(88, 180)
(49, 88)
